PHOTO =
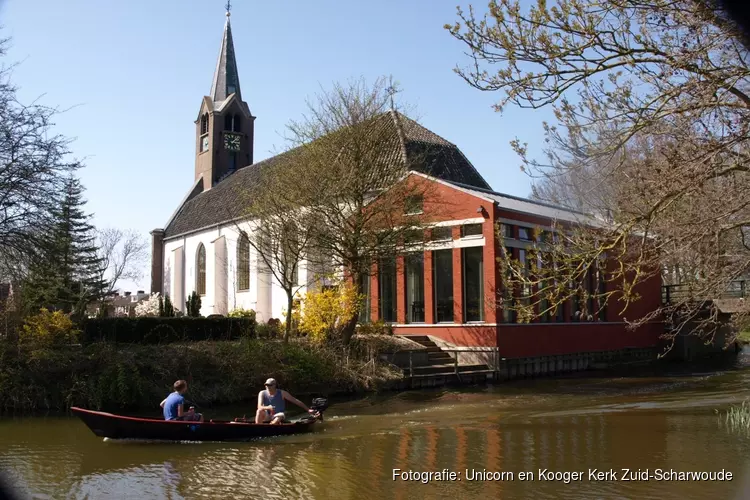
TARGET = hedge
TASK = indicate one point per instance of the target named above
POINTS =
(160, 330)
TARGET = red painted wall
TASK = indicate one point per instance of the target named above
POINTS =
(516, 341)
(443, 203)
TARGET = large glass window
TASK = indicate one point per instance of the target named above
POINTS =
(442, 261)
(602, 284)
(471, 230)
(441, 233)
(387, 289)
(591, 289)
(413, 205)
(473, 277)
(415, 288)
(509, 301)
(200, 268)
(507, 231)
(364, 289)
(243, 263)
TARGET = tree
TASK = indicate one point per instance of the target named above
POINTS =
(68, 276)
(193, 305)
(652, 100)
(123, 254)
(34, 166)
(338, 188)
(280, 234)
(168, 307)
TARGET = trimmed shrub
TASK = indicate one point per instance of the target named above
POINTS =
(270, 330)
(242, 313)
(155, 330)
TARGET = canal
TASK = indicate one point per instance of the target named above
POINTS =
(658, 421)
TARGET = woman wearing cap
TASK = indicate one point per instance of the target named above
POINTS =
(271, 404)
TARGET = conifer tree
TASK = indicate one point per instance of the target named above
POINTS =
(67, 276)
(168, 307)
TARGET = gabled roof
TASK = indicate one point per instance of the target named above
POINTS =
(407, 144)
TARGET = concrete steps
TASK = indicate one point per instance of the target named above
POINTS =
(444, 369)
(441, 365)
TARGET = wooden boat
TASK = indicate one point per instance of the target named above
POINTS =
(109, 425)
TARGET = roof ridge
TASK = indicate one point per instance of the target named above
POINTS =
(401, 136)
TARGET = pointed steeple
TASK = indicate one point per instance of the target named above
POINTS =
(226, 78)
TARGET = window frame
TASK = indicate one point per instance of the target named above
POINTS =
(200, 271)
(243, 262)
(529, 233)
(436, 287)
(409, 261)
(449, 235)
(413, 201)
(464, 234)
(464, 274)
(392, 267)
(508, 228)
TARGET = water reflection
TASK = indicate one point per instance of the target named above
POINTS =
(353, 456)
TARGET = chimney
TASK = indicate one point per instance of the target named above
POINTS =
(140, 292)
(157, 260)
(127, 294)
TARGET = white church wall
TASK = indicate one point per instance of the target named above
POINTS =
(220, 278)
(236, 298)
(265, 295)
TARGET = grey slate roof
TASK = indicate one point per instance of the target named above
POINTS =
(226, 77)
(425, 151)
(531, 207)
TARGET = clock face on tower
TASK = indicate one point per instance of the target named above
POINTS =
(204, 144)
(232, 142)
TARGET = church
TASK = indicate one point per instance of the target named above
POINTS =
(446, 293)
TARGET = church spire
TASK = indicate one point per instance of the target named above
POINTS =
(226, 78)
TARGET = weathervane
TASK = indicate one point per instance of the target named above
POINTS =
(228, 7)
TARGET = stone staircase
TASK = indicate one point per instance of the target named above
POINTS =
(441, 366)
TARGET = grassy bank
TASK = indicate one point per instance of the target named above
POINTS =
(127, 377)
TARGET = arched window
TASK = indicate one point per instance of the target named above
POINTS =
(204, 123)
(228, 123)
(200, 270)
(237, 123)
(243, 262)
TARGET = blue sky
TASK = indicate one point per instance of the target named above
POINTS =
(133, 74)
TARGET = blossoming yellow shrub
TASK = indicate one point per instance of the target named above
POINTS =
(324, 313)
(49, 328)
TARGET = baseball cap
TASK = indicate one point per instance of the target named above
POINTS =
(270, 381)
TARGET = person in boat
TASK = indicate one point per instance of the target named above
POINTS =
(271, 404)
(174, 405)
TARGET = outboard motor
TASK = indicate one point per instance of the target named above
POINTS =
(319, 405)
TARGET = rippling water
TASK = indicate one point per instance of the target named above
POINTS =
(656, 422)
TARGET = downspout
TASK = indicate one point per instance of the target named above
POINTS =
(184, 271)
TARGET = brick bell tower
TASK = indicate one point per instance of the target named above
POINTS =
(224, 127)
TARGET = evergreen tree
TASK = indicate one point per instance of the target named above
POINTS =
(193, 305)
(68, 274)
(168, 307)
